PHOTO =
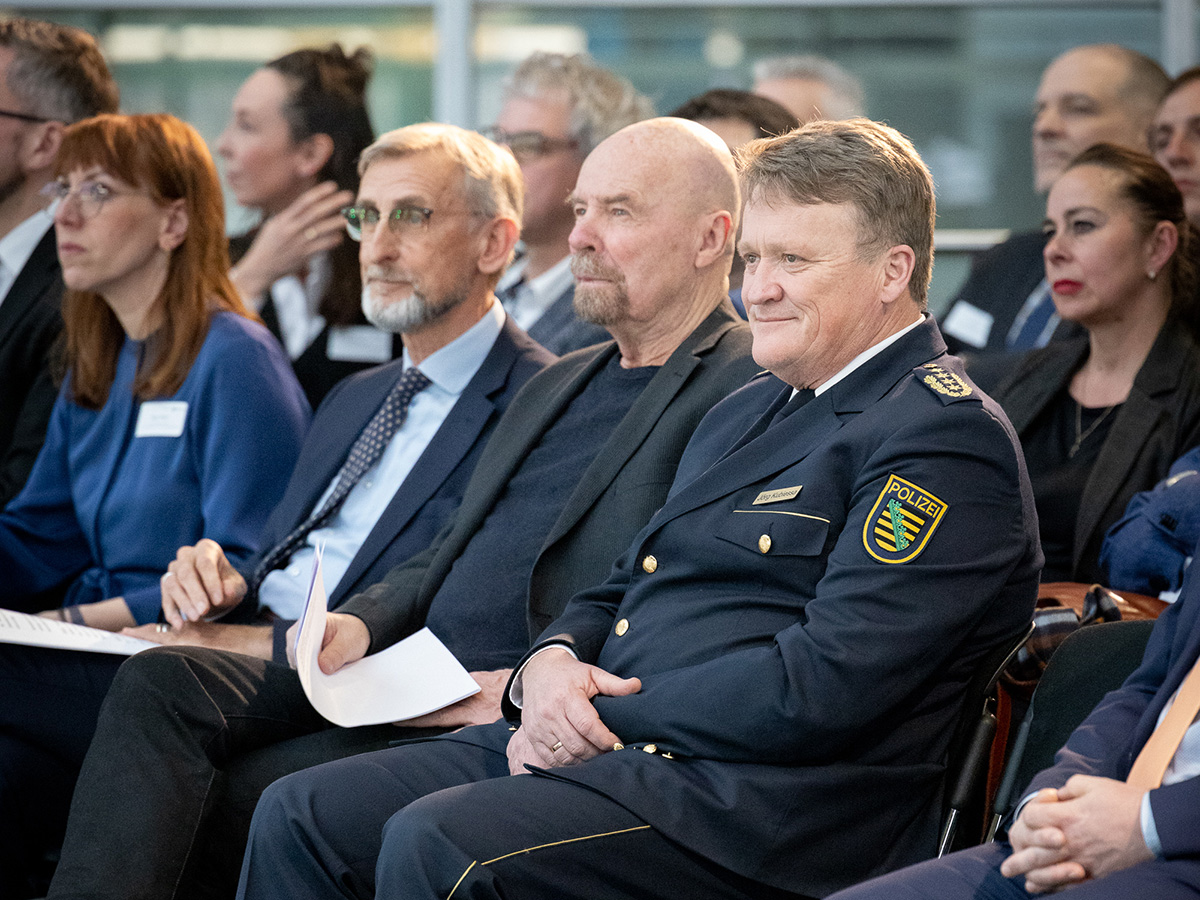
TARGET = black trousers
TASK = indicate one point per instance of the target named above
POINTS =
(49, 701)
(444, 819)
(187, 740)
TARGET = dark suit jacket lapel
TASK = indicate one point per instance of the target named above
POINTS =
(788, 442)
(1028, 392)
(1157, 380)
(38, 275)
(452, 441)
(647, 409)
(504, 457)
(557, 316)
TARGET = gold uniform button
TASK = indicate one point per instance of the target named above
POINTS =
(618, 746)
(650, 748)
(622, 627)
(649, 564)
(764, 543)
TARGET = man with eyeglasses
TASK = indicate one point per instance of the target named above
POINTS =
(50, 76)
(579, 462)
(556, 109)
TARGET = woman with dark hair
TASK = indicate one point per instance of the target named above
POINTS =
(1104, 415)
(291, 151)
(179, 418)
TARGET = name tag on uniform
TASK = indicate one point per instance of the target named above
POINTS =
(777, 495)
(161, 418)
(359, 343)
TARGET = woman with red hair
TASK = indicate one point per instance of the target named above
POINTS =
(179, 417)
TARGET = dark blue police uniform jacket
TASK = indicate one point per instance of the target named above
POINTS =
(804, 613)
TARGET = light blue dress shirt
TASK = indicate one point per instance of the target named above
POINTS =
(449, 369)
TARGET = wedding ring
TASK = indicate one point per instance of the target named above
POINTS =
(557, 746)
(163, 627)
(310, 233)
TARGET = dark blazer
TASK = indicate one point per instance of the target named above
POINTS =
(800, 680)
(1158, 422)
(560, 331)
(315, 371)
(30, 323)
(1109, 740)
(434, 487)
(626, 482)
(1000, 282)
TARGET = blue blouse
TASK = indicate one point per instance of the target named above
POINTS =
(116, 491)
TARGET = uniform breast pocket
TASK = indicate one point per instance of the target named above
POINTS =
(775, 533)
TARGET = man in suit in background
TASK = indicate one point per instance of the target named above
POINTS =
(1118, 814)
(50, 76)
(472, 361)
(580, 461)
(758, 702)
(557, 108)
(1090, 94)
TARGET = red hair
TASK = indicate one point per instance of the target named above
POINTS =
(169, 159)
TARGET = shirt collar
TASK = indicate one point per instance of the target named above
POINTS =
(452, 366)
(873, 350)
(18, 245)
(538, 293)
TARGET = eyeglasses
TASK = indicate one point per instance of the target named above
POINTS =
(24, 117)
(362, 220)
(527, 144)
(90, 195)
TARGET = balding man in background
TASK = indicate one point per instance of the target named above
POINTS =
(1090, 94)
(579, 462)
(757, 703)
(50, 76)
(810, 87)
(557, 108)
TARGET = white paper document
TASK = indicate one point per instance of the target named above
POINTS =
(414, 677)
(35, 631)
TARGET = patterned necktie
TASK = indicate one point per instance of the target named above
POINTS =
(1156, 755)
(363, 455)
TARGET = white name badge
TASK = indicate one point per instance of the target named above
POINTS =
(359, 343)
(161, 418)
(968, 323)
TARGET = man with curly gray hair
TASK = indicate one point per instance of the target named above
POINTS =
(556, 109)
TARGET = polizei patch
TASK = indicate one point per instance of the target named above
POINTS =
(901, 521)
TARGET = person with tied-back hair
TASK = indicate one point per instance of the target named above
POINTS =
(50, 76)
(179, 418)
(1104, 415)
(1096, 93)
(291, 149)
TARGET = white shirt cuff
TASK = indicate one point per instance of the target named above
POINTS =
(516, 694)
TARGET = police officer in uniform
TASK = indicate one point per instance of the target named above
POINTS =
(758, 701)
